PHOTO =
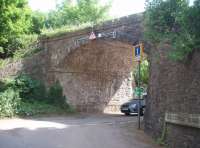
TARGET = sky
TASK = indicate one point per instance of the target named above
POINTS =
(119, 7)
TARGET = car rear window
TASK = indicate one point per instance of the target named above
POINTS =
(137, 101)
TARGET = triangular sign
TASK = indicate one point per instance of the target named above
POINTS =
(92, 36)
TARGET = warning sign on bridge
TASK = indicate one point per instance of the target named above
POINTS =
(92, 36)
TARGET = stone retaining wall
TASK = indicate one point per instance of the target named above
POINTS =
(35, 66)
(174, 99)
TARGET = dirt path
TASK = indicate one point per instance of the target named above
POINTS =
(83, 131)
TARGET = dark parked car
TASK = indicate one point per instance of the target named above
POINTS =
(132, 107)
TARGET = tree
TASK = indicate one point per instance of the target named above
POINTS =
(38, 22)
(144, 73)
(163, 18)
(14, 20)
(92, 11)
(193, 22)
(176, 22)
(83, 11)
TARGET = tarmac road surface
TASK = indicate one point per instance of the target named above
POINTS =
(79, 131)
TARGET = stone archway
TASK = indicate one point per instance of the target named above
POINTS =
(96, 77)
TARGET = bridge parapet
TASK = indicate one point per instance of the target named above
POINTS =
(127, 29)
(124, 23)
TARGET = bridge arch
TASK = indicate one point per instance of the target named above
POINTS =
(95, 74)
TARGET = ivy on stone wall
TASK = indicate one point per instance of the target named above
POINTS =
(174, 22)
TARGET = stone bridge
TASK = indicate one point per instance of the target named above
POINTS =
(95, 74)
(96, 77)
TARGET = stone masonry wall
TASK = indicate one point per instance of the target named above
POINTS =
(95, 75)
(34, 66)
(174, 89)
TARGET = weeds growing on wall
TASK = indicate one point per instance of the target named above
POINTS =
(23, 46)
(162, 138)
(25, 96)
(50, 32)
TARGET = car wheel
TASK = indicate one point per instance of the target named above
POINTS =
(127, 114)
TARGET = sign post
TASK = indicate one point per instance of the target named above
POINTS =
(138, 49)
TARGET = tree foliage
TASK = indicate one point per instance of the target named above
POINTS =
(68, 13)
(38, 21)
(24, 95)
(144, 73)
(17, 21)
(176, 22)
(14, 21)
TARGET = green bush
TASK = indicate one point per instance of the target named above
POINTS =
(9, 101)
(4, 62)
(2, 86)
(25, 45)
(55, 94)
(144, 73)
(29, 88)
(20, 47)
(14, 20)
(25, 96)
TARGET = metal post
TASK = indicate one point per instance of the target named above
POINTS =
(139, 95)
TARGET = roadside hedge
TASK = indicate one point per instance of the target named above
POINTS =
(26, 96)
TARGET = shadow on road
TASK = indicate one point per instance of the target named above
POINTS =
(88, 131)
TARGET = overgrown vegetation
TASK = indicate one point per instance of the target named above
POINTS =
(20, 26)
(144, 77)
(161, 140)
(15, 20)
(24, 45)
(24, 96)
(50, 32)
(174, 22)
(144, 73)
(77, 12)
